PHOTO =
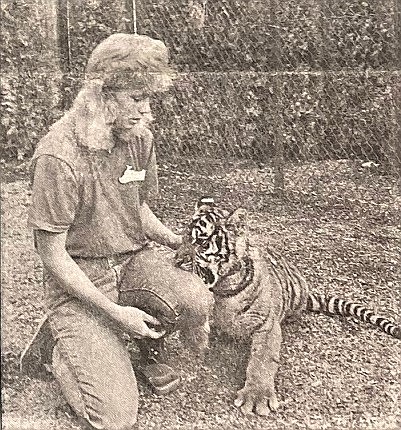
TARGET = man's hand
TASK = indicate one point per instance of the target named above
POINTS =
(176, 241)
(135, 322)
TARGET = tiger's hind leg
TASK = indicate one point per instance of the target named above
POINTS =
(259, 394)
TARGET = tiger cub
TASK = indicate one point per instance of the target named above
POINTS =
(254, 292)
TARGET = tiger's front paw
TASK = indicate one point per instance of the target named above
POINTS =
(250, 401)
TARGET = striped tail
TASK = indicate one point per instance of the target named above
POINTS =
(335, 306)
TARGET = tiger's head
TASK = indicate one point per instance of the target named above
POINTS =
(210, 242)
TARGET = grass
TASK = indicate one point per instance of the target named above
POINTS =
(339, 222)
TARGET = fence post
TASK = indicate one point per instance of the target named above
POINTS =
(278, 160)
(131, 23)
(63, 37)
(397, 95)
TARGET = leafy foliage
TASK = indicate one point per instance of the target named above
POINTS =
(29, 98)
(317, 78)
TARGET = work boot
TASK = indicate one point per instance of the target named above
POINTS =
(153, 369)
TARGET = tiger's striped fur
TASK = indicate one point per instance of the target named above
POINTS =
(254, 292)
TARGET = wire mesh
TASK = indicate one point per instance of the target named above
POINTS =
(318, 78)
(273, 81)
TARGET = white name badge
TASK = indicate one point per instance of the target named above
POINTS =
(131, 175)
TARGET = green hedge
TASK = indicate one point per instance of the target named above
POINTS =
(30, 76)
(317, 77)
(314, 116)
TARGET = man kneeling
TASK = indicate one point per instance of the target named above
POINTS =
(93, 175)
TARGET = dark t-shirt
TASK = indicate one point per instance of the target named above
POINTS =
(94, 196)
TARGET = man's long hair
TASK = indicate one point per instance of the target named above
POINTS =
(94, 116)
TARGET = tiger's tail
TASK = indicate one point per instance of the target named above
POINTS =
(333, 305)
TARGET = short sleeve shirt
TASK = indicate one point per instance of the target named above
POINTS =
(94, 196)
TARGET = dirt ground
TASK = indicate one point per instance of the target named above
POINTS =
(339, 222)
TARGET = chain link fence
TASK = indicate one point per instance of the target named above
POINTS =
(282, 81)
(273, 81)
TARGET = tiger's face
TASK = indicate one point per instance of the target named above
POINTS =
(205, 221)
(203, 240)
(208, 246)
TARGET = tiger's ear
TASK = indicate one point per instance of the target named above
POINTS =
(238, 218)
(224, 213)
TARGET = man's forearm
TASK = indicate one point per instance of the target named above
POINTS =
(79, 285)
(156, 230)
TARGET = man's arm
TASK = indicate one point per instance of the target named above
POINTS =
(51, 249)
(156, 230)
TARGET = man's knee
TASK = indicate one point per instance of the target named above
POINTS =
(199, 300)
(111, 419)
(102, 402)
(109, 414)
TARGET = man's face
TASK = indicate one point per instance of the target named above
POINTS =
(132, 111)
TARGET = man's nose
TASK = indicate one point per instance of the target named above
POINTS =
(143, 107)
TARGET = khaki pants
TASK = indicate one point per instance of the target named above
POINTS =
(90, 359)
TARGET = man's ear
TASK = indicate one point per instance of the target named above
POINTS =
(110, 110)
